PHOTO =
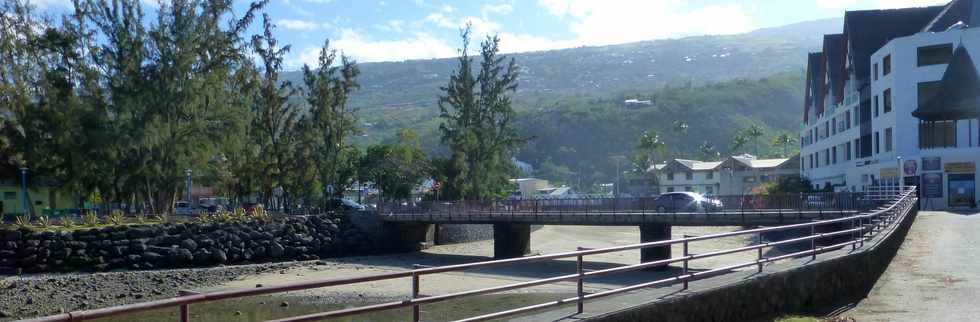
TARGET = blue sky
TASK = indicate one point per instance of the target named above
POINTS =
(394, 30)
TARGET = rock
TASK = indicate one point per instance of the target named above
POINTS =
(182, 255)
(189, 244)
(219, 256)
(152, 256)
(276, 250)
(12, 235)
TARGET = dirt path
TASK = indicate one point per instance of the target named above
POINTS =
(934, 277)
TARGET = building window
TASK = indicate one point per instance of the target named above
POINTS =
(764, 178)
(888, 140)
(937, 135)
(926, 91)
(887, 98)
(886, 65)
(670, 176)
(689, 175)
(709, 189)
(877, 143)
(833, 154)
(857, 148)
(670, 189)
(688, 188)
(876, 105)
(709, 175)
(833, 122)
(935, 55)
(847, 151)
(876, 71)
(847, 116)
(826, 156)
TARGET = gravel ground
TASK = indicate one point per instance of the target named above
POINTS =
(44, 294)
(934, 276)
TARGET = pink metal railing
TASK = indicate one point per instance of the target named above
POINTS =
(860, 228)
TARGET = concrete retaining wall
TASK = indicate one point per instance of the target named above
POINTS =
(802, 289)
(181, 245)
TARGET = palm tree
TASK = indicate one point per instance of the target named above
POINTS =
(708, 151)
(680, 129)
(738, 142)
(783, 140)
(754, 132)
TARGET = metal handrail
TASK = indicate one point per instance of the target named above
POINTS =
(861, 226)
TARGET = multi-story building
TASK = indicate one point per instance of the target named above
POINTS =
(895, 97)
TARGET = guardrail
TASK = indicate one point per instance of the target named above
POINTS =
(813, 202)
(850, 231)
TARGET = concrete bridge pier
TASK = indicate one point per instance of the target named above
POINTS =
(652, 233)
(409, 237)
(511, 240)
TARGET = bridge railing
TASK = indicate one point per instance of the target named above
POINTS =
(834, 234)
(781, 203)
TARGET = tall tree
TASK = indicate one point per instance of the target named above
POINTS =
(680, 130)
(276, 118)
(396, 169)
(330, 122)
(478, 123)
(649, 149)
(753, 133)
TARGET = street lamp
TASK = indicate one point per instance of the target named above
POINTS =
(23, 187)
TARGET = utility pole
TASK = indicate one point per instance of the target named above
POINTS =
(23, 187)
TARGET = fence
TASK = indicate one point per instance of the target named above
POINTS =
(816, 202)
(850, 231)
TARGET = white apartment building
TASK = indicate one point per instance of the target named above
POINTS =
(736, 175)
(894, 97)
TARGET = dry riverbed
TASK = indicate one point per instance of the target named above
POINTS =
(29, 296)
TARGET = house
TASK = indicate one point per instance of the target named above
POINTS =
(735, 175)
(632, 103)
(528, 187)
(43, 194)
(895, 98)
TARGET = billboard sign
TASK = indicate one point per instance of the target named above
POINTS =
(932, 185)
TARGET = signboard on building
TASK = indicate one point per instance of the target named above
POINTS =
(932, 185)
(961, 167)
(910, 167)
(888, 173)
(932, 163)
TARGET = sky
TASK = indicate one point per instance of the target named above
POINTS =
(396, 30)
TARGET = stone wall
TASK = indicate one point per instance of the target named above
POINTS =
(181, 245)
(810, 288)
(462, 233)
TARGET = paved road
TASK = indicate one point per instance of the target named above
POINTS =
(934, 277)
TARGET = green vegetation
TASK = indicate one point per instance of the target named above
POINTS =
(396, 169)
(478, 124)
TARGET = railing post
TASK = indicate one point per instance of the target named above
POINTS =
(416, 308)
(759, 259)
(853, 244)
(813, 241)
(685, 263)
(581, 285)
(185, 310)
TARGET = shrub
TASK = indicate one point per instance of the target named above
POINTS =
(115, 217)
(68, 222)
(44, 222)
(23, 221)
(91, 219)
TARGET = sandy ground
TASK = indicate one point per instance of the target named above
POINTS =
(548, 239)
(934, 277)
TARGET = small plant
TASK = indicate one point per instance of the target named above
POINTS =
(260, 214)
(44, 222)
(68, 222)
(90, 219)
(204, 217)
(225, 216)
(115, 217)
(23, 221)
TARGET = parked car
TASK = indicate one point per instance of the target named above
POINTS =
(344, 204)
(183, 208)
(686, 201)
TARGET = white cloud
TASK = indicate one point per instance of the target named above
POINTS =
(293, 24)
(365, 49)
(835, 4)
(481, 26)
(620, 21)
(503, 8)
(890, 4)
(44, 4)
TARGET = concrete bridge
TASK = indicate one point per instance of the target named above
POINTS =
(414, 225)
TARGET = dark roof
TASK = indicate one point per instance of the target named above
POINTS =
(966, 11)
(814, 83)
(959, 95)
(869, 30)
(833, 50)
